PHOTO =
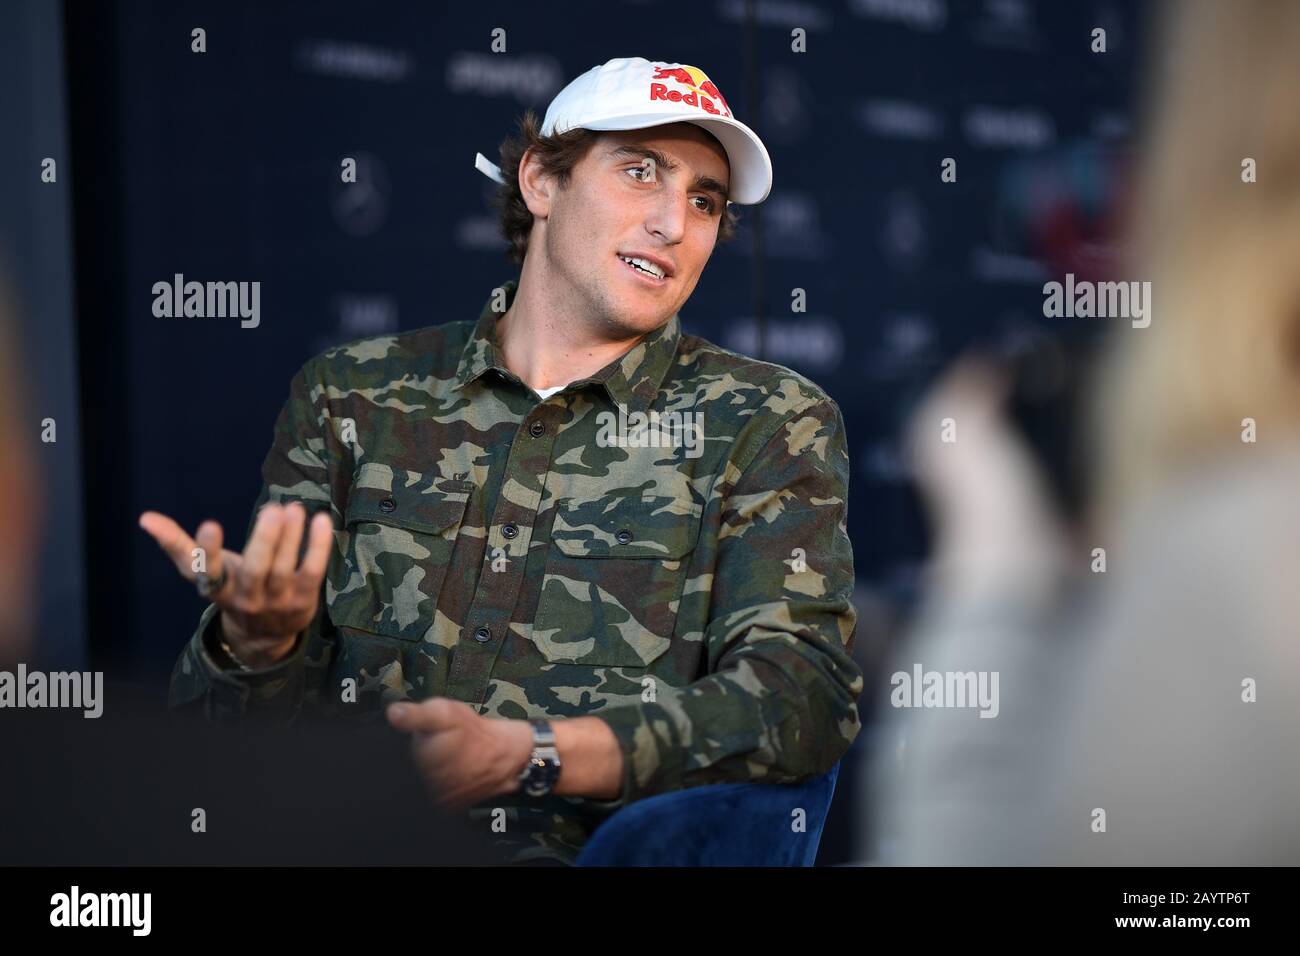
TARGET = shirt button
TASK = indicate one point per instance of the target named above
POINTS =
(388, 504)
(483, 634)
(510, 530)
(623, 536)
(536, 429)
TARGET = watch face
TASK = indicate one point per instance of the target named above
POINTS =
(541, 776)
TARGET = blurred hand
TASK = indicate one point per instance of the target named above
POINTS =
(267, 599)
(463, 756)
(994, 521)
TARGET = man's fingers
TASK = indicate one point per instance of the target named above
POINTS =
(260, 550)
(209, 537)
(216, 559)
(429, 716)
(180, 547)
(172, 538)
(320, 539)
(285, 561)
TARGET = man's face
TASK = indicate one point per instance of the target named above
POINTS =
(656, 194)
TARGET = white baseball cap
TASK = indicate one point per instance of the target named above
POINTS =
(636, 93)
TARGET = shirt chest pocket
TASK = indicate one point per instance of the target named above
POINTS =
(399, 531)
(614, 575)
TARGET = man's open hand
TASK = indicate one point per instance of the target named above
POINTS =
(464, 758)
(267, 598)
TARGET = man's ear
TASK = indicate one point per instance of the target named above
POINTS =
(535, 185)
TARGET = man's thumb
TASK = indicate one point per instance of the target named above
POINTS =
(428, 716)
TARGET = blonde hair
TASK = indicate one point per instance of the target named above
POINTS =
(1222, 254)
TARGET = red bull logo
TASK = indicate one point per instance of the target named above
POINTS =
(702, 92)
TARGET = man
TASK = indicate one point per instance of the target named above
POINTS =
(568, 512)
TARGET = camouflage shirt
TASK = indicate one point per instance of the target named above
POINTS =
(684, 577)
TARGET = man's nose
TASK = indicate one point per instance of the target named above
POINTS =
(667, 216)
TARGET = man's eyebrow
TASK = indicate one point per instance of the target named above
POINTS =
(703, 183)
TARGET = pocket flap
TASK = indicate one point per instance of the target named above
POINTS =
(406, 499)
(648, 526)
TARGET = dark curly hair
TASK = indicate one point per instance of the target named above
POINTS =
(558, 154)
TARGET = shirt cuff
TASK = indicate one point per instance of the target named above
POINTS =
(219, 663)
(232, 690)
(626, 722)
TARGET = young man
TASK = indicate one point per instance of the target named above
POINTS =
(568, 512)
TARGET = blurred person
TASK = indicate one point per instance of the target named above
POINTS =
(1147, 714)
(21, 500)
(554, 544)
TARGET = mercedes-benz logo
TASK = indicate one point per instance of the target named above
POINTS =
(361, 208)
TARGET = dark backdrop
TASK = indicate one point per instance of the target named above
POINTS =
(224, 165)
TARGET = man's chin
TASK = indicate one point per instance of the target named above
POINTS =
(630, 318)
(644, 323)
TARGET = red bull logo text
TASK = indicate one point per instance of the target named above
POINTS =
(702, 92)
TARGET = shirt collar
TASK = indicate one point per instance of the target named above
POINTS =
(631, 380)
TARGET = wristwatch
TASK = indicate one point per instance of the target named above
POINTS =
(543, 767)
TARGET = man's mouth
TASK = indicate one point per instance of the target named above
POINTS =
(645, 267)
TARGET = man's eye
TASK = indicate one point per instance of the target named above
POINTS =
(645, 174)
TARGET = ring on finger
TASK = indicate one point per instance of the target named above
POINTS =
(209, 586)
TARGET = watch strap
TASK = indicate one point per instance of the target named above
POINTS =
(543, 768)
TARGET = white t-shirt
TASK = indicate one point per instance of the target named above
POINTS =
(548, 392)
